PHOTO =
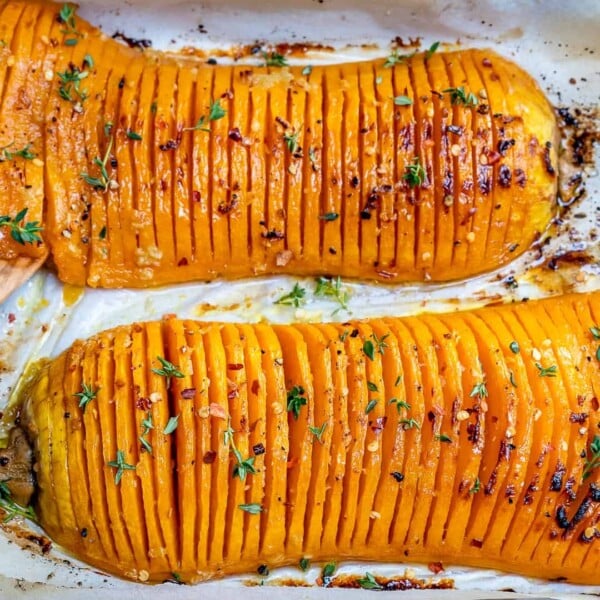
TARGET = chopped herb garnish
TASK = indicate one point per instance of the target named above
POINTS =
(147, 425)
(132, 135)
(171, 425)
(409, 424)
(296, 400)
(11, 508)
(369, 349)
(514, 347)
(327, 573)
(395, 58)
(304, 564)
(291, 141)
(402, 101)
(415, 174)
(344, 335)
(70, 84)
(598, 353)
(67, 18)
(398, 380)
(318, 431)
(312, 156)
(274, 59)
(102, 234)
(459, 96)
(88, 61)
(380, 344)
(307, 70)
(20, 231)
(215, 112)
(370, 406)
(595, 331)
(104, 181)
(476, 486)
(86, 395)
(400, 404)
(120, 465)
(442, 437)
(511, 378)
(295, 298)
(432, 49)
(168, 369)
(24, 153)
(332, 216)
(253, 509)
(546, 371)
(146, 444)
(479, 389)
(333, 288)
(368, 582)
(243, 466)
(176, 577)
(371, 386)
(593, 458)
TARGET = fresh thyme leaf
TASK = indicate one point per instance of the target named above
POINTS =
(243, 466)
(398, 380)
(70, 84)
(20, 231)
(514, 347)
(253, 509)
(546, 371)
(307, 70)
(66, 16)
(86, 395)
(476, 486)
(432, 49)
(511, 378)
(132, 135)
(318, 431)
(369, 349)
(296, 400)
(344, 335)
(395, 58)
(171, 425)
(380, 344)
(371, 386)
(11, 508)
(168, 369)
(274, 59)
(291, 141)
(415, 174)
(402, 101)
(593, 458)
(104, 181)
(295, 298)
(370, 406)
(595, 331)
(332, 288)
(121, 465)
(146, 444)
(479, 389)
(102, 234)
(24, 153)
(216, 111)
(460, 96)
(88, 61)
(327, 573)
(409, 424)
(400, 404)
(442, 437)
(332, 216)
(368, 582)
(304, 564)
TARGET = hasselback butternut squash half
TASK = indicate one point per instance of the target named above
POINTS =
(206, 449)
(145, 169)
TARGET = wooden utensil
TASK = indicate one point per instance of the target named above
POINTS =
(15, 272)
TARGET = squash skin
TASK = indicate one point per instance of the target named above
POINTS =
(238, 201)
(337, 498)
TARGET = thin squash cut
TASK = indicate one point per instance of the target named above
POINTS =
(468, 439)
(139, 169)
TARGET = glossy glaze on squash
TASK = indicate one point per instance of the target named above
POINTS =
(458, 438)
(306, 173)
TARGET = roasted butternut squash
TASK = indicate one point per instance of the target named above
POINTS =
(146, 169)
(206, 449)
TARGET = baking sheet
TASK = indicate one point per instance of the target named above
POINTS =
(557, 43)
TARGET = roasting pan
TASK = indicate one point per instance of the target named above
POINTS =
(557, 42)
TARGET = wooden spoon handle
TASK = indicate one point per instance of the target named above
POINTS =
(15, 272)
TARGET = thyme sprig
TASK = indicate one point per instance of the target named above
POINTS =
(20, 231)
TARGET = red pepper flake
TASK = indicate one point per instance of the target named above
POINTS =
(435, 567)
(235, 366)
(233, 394)
(196, 196)
(143, 403)
(486, 62)
(477, 543)
(235, 135)
(255, 387)
(188, 393)
(258, 449)
(380, 422)
(209, 457)
(183, 262)
(217, 411)
(12, 317)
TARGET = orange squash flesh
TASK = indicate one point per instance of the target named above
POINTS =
(304, 173)
(484, 466)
